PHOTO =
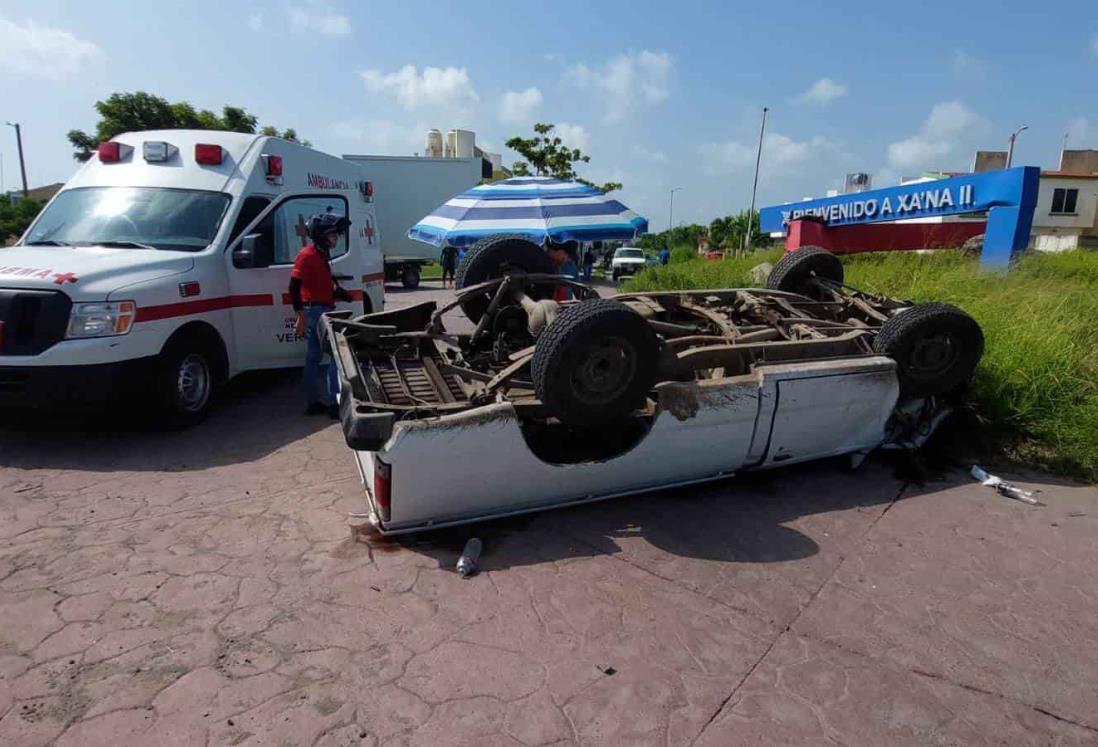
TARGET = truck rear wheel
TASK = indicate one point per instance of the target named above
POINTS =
(596, 363)
(795, 272)
(936, 348)
(495, 256)
(186, 381)
(410, 277)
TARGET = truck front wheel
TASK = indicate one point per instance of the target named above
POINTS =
(410, 277)
(186, 380)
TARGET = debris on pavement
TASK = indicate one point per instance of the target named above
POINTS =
(1002, 487)
(467, 563)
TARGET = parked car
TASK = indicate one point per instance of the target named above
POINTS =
(627, 260)
(554, 403)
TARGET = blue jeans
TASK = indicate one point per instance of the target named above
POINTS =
(314, 354)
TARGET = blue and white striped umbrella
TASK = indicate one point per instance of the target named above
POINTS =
(537, 207)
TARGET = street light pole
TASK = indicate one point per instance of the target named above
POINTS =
(22, 166)
(671, 209)
(1010, 150)
(755, 184)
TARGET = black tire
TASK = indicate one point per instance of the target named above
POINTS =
(936, 348)
(794, 272)
(186, 381)
(409, 277)
(493, 257)
(596, 363)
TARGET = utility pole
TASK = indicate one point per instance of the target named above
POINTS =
(755, 185)
(1010, 150)
(22, 165)
(671, 209)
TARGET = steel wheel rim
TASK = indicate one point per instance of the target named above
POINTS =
(933, 356)
(603, 370)
(192, 383)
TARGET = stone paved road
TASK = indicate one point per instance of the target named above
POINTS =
(203, 588)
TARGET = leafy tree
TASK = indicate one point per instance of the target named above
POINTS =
(16, 215)
(727, 233)
(129, 112)
(547, 155)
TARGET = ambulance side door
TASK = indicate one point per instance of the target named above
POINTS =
(260, 261)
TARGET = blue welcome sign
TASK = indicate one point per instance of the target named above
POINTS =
(1008, 196)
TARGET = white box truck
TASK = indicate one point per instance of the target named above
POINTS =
(408, 188)
(161, 269)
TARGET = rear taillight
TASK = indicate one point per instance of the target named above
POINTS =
(110, 152)
(210, 155)
(383, 487)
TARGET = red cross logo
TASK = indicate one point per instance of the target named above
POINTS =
(301, 231)
(64, 277)
(368, 232)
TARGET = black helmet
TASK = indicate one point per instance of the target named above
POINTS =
(322, 223)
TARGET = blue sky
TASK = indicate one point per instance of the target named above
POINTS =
(660, 95)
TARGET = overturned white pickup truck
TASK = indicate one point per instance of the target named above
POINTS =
(553, 403)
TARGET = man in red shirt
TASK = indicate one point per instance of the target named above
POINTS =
(313, 291)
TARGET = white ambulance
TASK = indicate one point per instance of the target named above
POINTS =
(162, 269)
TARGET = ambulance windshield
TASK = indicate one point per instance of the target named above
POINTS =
(172, 219)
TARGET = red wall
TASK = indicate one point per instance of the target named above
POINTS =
(880, 237)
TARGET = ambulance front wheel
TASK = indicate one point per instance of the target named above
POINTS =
(186, 381)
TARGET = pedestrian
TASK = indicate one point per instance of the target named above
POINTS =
(449, 261)
(563, 255)
(313, 291)
(665, 256)
(588, 264)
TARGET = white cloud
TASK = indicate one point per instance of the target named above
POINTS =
(43, 51)
(778, 151)
(255, 22)
(446, 92)
(520, 106)
(317, 17)
(936, 140)
(625, 81)
(573, 135)
(647, 154)
(823, 91)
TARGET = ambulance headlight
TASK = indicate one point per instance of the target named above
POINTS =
(101, 319)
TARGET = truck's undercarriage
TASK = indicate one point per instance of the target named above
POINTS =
(593, 363)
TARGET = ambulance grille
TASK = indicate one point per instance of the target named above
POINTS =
(32, 321)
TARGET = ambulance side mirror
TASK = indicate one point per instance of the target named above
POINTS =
(255, 250)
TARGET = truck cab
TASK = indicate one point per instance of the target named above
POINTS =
(161, 269)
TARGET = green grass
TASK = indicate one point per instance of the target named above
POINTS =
(1036, 391)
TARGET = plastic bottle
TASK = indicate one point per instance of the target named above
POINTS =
(467, 563)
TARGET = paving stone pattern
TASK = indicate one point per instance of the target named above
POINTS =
(205, 588)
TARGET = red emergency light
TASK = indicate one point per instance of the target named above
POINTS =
(210, 155)
(110, 152)
(272, 165)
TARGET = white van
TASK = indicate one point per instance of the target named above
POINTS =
(162, 268)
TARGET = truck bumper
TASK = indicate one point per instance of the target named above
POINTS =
(77, 387)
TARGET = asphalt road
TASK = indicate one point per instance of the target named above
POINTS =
(208, 587)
